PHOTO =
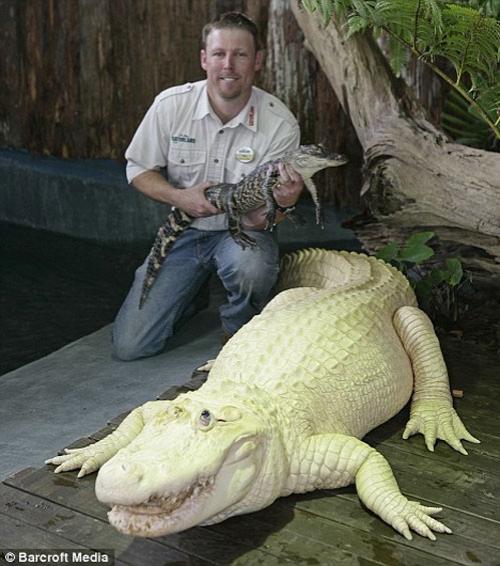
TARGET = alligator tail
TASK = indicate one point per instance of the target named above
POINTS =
(324, 269)
(177, 221)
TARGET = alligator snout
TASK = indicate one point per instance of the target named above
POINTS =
(121, 482)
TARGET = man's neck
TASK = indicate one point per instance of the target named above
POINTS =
(226, 110)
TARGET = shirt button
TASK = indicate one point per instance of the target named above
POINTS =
(271, 104)
(221, 131)
(216, 161)
(182, 161)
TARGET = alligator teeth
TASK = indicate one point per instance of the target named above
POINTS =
(167, 504)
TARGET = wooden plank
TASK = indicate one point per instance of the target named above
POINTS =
(81, 529)
(445, 484)
(78, 495)
(472, 536)
(173, 392)
(15, 534)
(484, 456)
(115, 421)
(308, 538)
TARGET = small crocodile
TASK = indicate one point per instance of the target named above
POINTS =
(255, 190)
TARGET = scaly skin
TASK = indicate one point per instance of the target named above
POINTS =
(236, 199)
(285, 406)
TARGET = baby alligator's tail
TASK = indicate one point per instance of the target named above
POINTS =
(177, 222)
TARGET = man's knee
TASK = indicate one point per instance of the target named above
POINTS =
(128, 350)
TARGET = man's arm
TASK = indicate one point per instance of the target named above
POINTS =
(191, 200)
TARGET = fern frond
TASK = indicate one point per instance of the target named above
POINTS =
(468, 38)
(489, 99)
(325, 8)
(471, 42)
(464, 124)
(417, 22)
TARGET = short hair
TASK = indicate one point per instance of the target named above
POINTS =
(231, 20)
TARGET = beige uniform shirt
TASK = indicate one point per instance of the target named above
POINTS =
(181, 132)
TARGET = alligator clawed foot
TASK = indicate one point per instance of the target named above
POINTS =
(244, 240)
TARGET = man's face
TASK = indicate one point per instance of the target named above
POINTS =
(230, 61)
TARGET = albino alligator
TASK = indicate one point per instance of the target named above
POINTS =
(255, 190)
(265, 424)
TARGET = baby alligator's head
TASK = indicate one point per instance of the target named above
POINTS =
(309, 159)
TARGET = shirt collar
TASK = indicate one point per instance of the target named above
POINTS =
(203, 105)
(247, 116)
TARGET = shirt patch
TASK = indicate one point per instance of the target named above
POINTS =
(251, 117)
(183, 138)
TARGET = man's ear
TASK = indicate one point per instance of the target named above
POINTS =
(203, 59)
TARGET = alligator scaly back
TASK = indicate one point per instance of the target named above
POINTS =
(236, 199)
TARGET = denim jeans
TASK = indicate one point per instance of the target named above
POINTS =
(248, 275)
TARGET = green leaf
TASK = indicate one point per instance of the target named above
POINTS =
(416, 254)
(415, 250)
(419, 238)
(437, 276)
(388, 253)
(455, 271)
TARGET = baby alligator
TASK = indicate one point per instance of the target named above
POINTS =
(236, 199)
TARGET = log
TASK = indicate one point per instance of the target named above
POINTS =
(416, 177)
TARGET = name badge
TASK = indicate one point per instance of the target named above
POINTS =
(245, 154)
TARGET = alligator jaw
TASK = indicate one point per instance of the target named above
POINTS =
(159, 515)
(195, 504)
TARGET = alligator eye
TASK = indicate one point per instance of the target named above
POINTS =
(205, 417)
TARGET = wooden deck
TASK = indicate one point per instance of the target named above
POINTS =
(40, 510)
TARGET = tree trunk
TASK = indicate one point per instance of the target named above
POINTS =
(415, 177)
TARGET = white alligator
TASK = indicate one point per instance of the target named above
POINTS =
(289, 397)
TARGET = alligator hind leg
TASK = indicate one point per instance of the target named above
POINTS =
(432, 412)
(326, 461)
(242, 239)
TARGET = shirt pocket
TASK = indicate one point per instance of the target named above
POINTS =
(186, 167)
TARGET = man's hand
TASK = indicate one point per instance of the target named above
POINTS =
(286, 194)
(289, 187)
(192, 200)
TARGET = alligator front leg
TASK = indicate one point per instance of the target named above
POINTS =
(91, 458)
(311, 187)
(432, 413)
(326, 461)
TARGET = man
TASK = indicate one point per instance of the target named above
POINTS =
(205, 133)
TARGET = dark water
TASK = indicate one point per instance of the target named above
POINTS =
(55, 289)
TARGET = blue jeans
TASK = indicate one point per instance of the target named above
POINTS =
(248, 275)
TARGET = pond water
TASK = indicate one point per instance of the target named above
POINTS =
(55, 289)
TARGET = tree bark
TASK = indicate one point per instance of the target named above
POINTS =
(416, 178)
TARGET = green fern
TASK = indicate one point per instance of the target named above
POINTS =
(470, 42)
(466, 36)
(462, 125)
(417, 22)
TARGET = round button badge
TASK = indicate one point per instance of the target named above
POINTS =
(245, 154)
